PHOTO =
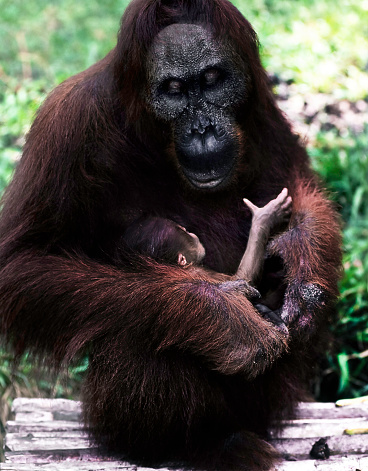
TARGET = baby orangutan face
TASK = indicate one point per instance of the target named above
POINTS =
(192, 250)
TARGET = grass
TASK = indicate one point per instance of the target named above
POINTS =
(343, 163)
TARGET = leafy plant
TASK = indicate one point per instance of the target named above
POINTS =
(343, 163)
(18, 104)
(310, 42)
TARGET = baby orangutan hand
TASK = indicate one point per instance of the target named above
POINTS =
(264, 220)
(276, 212)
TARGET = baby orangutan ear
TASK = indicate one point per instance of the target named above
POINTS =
(182, 261)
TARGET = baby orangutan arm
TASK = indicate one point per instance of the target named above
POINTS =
(264, 219)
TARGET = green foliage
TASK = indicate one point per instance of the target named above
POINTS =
(343, 163)
(318, 45)
(55, 39)
(18, 103)
(315, 43)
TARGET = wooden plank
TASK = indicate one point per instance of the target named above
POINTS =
(46, 456)
(341, 463)
(309, 428)
(62, 460)
(69, 408)
(36, 416)
(30, 443)
(23, 404)
(46, 435)
(345, 444)
(298, 448)
(58, 409)
(41, 434)
(328, 410)
(67, 466)
(13, 426)
(301, 428)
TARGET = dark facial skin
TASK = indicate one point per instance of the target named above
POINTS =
(195, 86)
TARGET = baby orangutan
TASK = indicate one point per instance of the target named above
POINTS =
(166, 241)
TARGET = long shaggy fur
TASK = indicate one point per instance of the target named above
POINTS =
(180, 370)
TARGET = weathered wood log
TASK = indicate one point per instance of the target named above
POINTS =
(46, 435)
(56, 456)
(341, 445)
(306, 428)
(341, 464)
(41, 441)
(13, 426)
(65, 409)
(67, 466)
(60, 409)
(329, 410)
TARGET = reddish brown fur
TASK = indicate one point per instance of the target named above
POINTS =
(180, 370)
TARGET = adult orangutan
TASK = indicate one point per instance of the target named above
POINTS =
(177, 121)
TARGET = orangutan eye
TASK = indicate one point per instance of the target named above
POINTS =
(174, 87)
(211, 77)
